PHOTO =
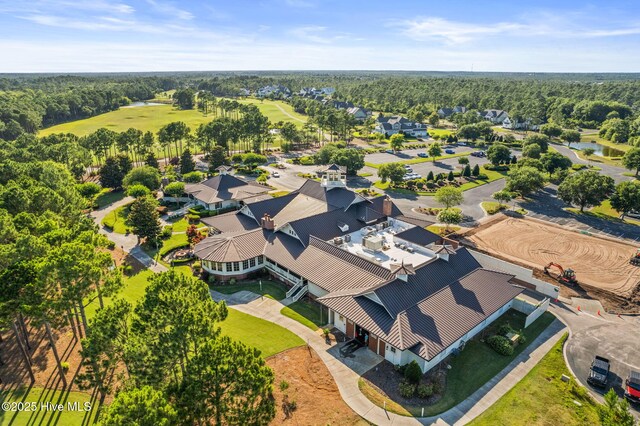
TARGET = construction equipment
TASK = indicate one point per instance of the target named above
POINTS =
(635, 259)
(566, 276)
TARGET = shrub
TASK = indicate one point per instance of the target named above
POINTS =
(138, 190)
(88, 189)
(406, 389)
(504, 329)
(262, 179)
(413, 372)
(232, 281)
(578, 166)
(493, 210)
(425, 391)
(193, 177)
(111, 245)
(284, 385)
(65, 366)
(166, 232)
(193, 217)
(127, 270)
(500, 344)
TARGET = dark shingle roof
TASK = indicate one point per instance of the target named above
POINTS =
(325, 225)
(224, 187)
(271, 206)
(231, 222)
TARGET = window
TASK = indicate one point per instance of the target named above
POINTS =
(261, 260)
(341, 318)
(252, 262)
(228, 266)
(392, 349)
(245, 264)
(219, 267)
(236, 266)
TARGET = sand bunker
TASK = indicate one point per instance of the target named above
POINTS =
(598, 262)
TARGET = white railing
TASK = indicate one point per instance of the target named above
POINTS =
(292, 290)
(304, 290)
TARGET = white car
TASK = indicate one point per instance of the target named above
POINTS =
(275, 174)
(462, 144)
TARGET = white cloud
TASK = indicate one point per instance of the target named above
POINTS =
(170, 10)
(316, 34)
(456, 32)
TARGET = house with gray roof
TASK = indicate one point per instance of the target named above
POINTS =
(390, 125)
(496, 116)
(225, 191)
(386, 281)
(448, 112)
(359, 113)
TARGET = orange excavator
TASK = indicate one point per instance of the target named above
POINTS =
(565, 276)
(635, 259)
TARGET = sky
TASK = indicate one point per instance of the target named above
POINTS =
(214, 35)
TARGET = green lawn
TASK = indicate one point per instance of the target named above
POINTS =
(491, 176)
(133, 291)
(594, 137)
(542, 398)
(116, 219)
(152, 118)
(271, 289)
(145, 118)
(41, 416)
(306, 313)
(492, 207)
(266, 336)
(606, 212)
(440, 230)
(181, 224)
(474, 366)
(108, 196)
(440, 132)
(175, 241)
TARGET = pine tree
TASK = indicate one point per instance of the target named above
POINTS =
(152, 161)
(430, 175)
(144, 218)
(187, 164)
(467, 171)
(476, 171)
(450, 176)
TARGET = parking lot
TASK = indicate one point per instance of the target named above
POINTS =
(407, 154)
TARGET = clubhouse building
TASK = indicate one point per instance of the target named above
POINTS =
(407, 293)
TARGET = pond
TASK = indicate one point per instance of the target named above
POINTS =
(599, 149)
(141, 104)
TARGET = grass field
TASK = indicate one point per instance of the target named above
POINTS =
(266, 336)
(542, 398)
(306, 313)
(108, 196)
(42, 416)
(606, 212)
(152, 118)
(116, 219)
(471, 369)
(133, 291)
(492, 207)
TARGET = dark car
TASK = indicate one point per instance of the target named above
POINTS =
(478, 154)
(632, 387)
(449, 151)
(599, 373)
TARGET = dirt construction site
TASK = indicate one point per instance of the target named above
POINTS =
(602, 265)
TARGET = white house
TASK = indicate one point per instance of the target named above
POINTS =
(395, 124)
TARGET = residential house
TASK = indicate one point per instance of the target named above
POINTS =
(448, 112)
(395, 124)
(337, 104)
(275, 90)
(515, 124)
(404, 292)
(225, 191)
(496, 116)
(359, 113)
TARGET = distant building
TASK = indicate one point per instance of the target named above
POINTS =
(359, 113)
(496, 116)
(514, 124)
(448, 112)
(275, 90)
(337, 104)
(225, 191)
(395, 124)
(310, 92)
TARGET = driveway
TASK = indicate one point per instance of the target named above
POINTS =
(607, 335)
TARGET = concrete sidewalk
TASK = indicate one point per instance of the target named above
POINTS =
(347, 379)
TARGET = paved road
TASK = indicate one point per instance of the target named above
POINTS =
(615, 172)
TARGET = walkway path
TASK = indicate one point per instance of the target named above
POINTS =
(128, 243)
(347, 379)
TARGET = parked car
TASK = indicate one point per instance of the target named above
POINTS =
(599, 373)
(462, 144)
(632, 387)
(408, 168)
(390, 151)
(478, 154)
(423, 155)
(275, 174)
(449, 151)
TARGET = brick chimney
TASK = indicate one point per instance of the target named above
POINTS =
(267, 222)
(387, 206)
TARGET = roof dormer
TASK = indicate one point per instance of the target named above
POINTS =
(334, 176)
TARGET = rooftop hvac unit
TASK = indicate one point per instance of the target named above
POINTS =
(338, 241)
(347, 238)
(384, 224)
(379, 227)
(373, 243)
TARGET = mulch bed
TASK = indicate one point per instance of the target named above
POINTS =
(386, 379)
